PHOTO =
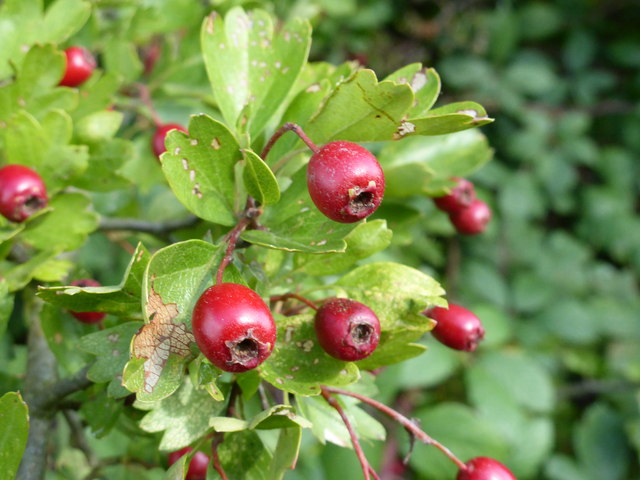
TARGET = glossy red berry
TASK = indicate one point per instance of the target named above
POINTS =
(197, 466)
(457, 327)
(157, 141)
(473, 219)
(22, 192)
(461, 196)
(345, 181)
(87, 317)
(233, 327)
(485, 468)
(346, 329)
(80, 66)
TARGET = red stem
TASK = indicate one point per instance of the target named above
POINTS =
(364, 463)
(145, 96)
(289, 126)
(216, 458)
(410, 426)
(286, 296)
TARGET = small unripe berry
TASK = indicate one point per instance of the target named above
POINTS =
(233, 327)
(473, 219)
(87, 317)
(80, 66)
(22, 192)
(197, 466)
(346, 329)
(456, 327)
(485, 468)
(157, 141)
(461, 196)
(345, 181)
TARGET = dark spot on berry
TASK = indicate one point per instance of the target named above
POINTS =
(361, 333)
(361, 203)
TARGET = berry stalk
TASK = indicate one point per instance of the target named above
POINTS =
(293, 127)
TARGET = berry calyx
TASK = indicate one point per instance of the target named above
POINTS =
(197, 466)
(87, 317)
(461, 196)
(485, 468)
(233, 327)
(157, 141)
(473, 219)
(80, 66)
(345, 181)
(346, 329)
(22, 192)
(456, 327)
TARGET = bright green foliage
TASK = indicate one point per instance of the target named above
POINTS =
(14, 429)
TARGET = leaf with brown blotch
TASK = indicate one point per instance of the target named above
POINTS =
(159, 338)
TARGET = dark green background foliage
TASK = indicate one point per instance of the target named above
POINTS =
(553, 389)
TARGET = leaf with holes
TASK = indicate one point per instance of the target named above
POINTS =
(259, 180)
(448, 119)
(397, 294)
(296, 225)
(298, 363)
(361, 109)
(425, 83)
(199, 167)
(251, 67)
(123, 299)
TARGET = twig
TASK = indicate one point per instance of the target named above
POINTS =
(409, 425)
(217, 440)
(145, 97)
(79, 439)
(288, 127)
(364, 463)
(286, 296)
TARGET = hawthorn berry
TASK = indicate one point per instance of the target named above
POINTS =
(22, 192)
(485, 468)
(345, 181)
(233, 327)
(87, 317)
(197, 466)
(157, 141)
(346, 329)
(473, 219)
(456, 327)
(461, 196)
(80, 66)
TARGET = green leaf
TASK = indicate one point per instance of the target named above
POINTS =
(362, 242)
(423, 165)
(66, 227)
(286, 452)
(133, 378)
(397, 294)
(20, 275)
(183, 417)
(103, 172)
(259, 180)
(14, 429)
(425, 83)
(296, 225)
(244, 456)
(276, 417)
(361, 110)
(601, 444)
(123, 299)
(447, 119)
(20, 25)
(200, 168)
(121, 57)
(6, 305)
(298, 363)
(111, 346)
(252, 68)
(63, 18)
(98, 126)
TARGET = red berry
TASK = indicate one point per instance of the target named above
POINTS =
(233, 327)
(157, 141)
(457, 327)
(87, 317)
(485, 468)
(461, 196)
(80, 66)
(473, 219)
(346, 329)
(197, 466)
(345, 181)
(22, 192)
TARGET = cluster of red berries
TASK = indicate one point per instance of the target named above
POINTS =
(468, 214)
